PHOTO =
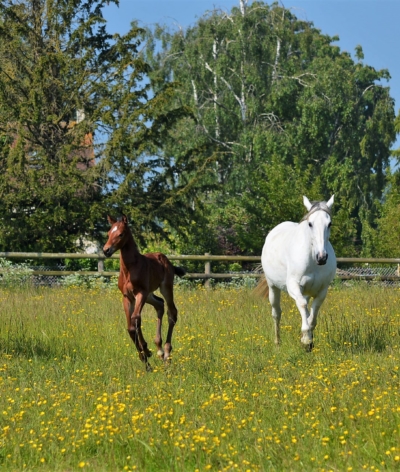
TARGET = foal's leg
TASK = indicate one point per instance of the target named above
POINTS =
(301, 302)
(133, 310)
(158, 304)
(275, 300)
(166, 290)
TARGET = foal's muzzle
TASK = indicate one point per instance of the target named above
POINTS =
(321, 259)
(108, 252)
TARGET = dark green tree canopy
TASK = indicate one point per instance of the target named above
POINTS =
(79, 133)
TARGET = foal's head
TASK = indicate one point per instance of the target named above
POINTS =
(117, 236)
(319, 226)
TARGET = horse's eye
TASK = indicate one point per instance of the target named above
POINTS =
(330, 224)
(310, 225)
(120, 236)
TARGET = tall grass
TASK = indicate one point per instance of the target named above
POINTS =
(74, 395)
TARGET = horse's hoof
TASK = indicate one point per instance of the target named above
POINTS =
(144, 355)
(148, 367)
(309, 347)
(167, 357)
(160, 354)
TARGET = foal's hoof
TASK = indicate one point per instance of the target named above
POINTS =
(167, 360)
(160, 354)
(144, 355)
(148, 367)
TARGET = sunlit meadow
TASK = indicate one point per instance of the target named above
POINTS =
(74, 395)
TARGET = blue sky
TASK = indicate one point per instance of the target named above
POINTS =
(371, 23)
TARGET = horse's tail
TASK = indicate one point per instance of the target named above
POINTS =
(262, 288)
(179, 271)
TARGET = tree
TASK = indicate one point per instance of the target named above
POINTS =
(384, 239)
(284, 113)
(71, 96)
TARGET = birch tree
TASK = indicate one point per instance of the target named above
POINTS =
(275, 100)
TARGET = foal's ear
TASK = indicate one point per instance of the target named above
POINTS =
(124, 219)
(111, 220)
(330, 202)
(307, 203)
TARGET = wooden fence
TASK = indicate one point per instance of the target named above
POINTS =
(207, 259)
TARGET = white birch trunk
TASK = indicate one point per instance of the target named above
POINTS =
(215, 56)
(243, 4)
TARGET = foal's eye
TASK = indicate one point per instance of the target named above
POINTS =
(310, 225)
(120, 236)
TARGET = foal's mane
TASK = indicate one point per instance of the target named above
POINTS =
(317, 206)
(119, 219)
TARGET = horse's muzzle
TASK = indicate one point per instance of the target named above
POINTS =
(108, 252)
(321, 260)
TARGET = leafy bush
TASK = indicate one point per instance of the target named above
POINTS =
(14, 274)
(89, 281)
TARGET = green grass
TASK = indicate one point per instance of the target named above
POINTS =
(74, 395)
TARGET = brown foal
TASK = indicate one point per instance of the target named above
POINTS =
(139, 276)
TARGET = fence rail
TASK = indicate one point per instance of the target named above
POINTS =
(363, 273)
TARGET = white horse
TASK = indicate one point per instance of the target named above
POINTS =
(298, 258)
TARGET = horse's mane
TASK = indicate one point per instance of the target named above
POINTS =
(317, 206)
(119, 219)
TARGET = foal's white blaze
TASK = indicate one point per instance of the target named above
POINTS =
(298, 258)
(114, 229)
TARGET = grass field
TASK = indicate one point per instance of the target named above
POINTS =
(74, 396)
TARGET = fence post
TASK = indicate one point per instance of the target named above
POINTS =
(207, 271)
(100, 265)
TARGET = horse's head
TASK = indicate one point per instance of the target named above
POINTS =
(117, 236)
(319, 220)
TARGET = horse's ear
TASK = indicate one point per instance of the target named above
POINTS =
(307, 203)
(111, 220)
(124, 219)
(330, 202)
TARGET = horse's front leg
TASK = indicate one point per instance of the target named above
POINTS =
(301, 302)
(275, 300)
(316, 305)
(133, 309)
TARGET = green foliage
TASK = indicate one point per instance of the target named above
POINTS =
(14, 275)
(206, 138)
(283, 112)
(386, 237)
(90, 281)
(79, 134)
(80, 264)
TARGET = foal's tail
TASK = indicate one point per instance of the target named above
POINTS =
(262, 288)
(179, 271)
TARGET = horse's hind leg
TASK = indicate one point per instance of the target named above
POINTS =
(158, 304)
(275, 300)
(166, 290)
